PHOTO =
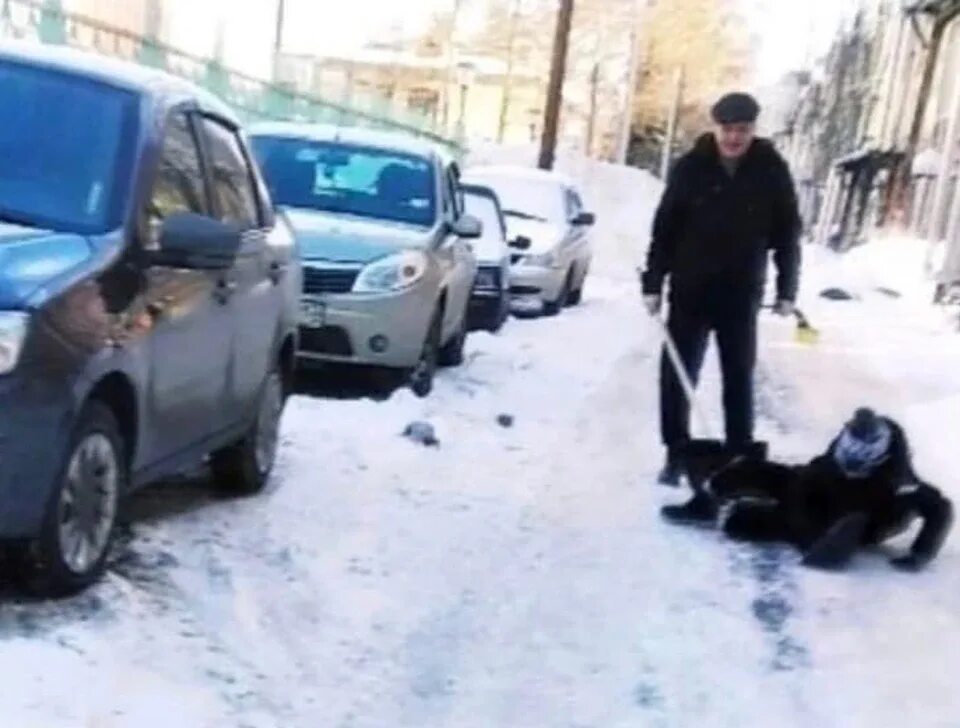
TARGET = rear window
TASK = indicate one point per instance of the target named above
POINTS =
(66, 150)
(349, 179)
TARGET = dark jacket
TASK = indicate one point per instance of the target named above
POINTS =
(713, 232)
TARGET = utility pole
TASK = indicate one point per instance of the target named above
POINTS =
(672, 125)
(558, 67)
(626, 125)
(508, 76)
(448, 79)
(278, 38)
(592, 118)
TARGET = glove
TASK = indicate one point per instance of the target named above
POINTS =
(784, 308)
(910, 562)
(652, 303)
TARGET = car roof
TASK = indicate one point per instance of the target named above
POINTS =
(509, 171)
(375, 138)
(114, 72)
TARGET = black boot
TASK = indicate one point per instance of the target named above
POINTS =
(699, 509)
(836, 547)
(672, 469)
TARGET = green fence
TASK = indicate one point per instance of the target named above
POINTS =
(254, 99)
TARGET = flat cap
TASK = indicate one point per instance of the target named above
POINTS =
(736, 108)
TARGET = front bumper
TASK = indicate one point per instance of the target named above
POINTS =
(369, 329)
(33, 442)
(527, 281)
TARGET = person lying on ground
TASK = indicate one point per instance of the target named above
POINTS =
(862, 491)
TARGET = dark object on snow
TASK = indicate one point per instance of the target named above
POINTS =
(422, 433)
(836, 294)
(810, 505)
(888, 292)
(736, 108)
(712, 235)
(505, 420)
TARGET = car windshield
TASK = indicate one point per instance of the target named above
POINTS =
(484, 208)
(349, 179)
(66, 149)
(529, 199)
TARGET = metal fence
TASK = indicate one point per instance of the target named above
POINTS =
(253, 98)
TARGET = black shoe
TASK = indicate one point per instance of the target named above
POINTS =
(672, 470)
(837, 546)
(699, 509)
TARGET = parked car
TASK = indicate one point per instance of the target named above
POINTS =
(148, 301)
(549, 231)
(388, 265)
(490, 300)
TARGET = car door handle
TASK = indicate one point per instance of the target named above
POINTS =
(224, 290)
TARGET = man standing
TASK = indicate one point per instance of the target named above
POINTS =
(728, 202)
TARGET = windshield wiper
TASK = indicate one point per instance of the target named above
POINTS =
(523, 215)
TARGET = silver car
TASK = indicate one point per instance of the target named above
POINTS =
(548, 229)
(387, 266)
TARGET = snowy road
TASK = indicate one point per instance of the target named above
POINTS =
(514, 577)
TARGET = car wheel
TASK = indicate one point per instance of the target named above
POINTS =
(422, 374)
(244, 467)
(451, 353)
(552, 308)
(576, 297)
(79, 523)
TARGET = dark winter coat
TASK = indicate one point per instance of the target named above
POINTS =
(713, 231)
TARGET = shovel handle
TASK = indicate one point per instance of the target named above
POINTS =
(680, 370)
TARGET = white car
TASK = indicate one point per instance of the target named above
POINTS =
(548, 230)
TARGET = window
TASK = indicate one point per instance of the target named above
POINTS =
(347, 179)
(178, 185)
(230, 176)
(58, 169)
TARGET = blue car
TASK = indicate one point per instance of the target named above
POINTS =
(148, 301)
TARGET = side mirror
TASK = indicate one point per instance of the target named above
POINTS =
(521, 242)
(584, 218)
(188, 240)
(467, 227)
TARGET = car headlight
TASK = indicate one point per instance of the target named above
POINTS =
(393, 273)
(13, 330)
(542, 260)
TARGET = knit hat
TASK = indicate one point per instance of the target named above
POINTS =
(736, 108)
(863, 444)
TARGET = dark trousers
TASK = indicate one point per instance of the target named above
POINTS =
(734, 322)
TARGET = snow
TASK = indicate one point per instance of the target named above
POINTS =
(521, 577)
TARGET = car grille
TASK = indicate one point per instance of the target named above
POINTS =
(325, 340)
(329, 280)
